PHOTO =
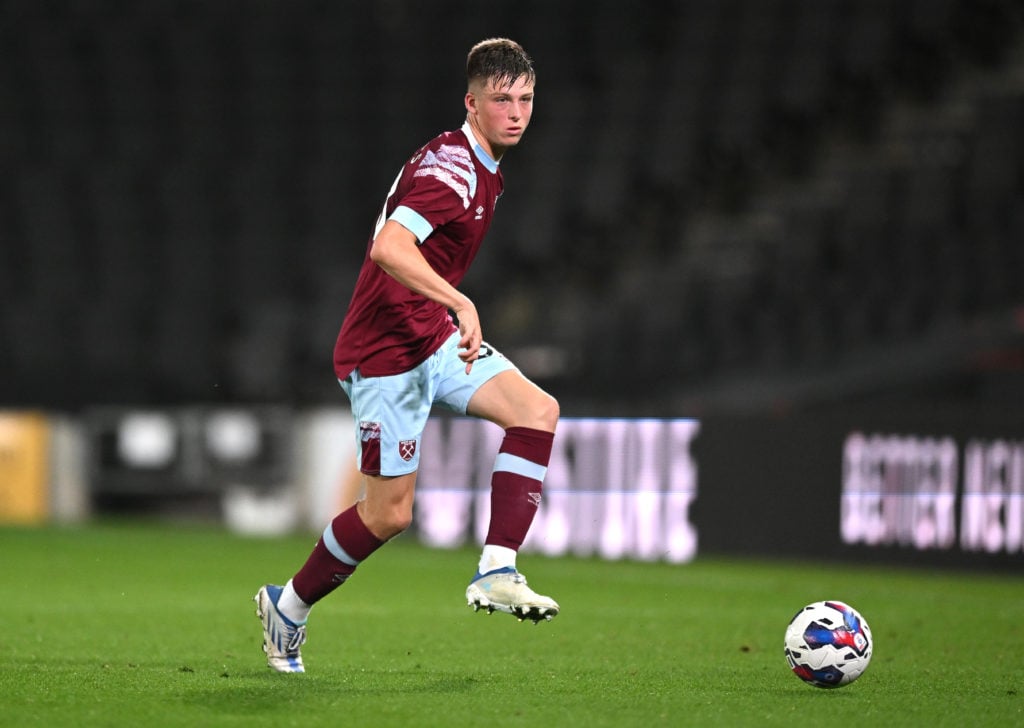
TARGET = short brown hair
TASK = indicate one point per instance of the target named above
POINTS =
(499, 60)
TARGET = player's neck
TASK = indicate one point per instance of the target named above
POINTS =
(494, 153)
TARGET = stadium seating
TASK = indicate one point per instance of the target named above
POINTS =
(708, 190)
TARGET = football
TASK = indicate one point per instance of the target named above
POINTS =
(828, 644)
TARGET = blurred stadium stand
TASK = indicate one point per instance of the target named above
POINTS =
(729, 205)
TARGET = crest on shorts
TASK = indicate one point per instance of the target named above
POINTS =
(406, 449)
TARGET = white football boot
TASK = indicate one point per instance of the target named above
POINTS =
(282, 638)
(505, 590)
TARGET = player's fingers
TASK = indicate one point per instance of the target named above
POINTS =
(469, 358)
(471, 350)
(471, 341)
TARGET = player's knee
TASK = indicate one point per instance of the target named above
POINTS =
(547, 412)
(540, 411)
(394, 521)
(402, 520)
(385, 520)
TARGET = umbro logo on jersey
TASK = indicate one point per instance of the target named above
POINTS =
(479, 213)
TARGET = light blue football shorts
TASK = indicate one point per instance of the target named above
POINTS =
(391, 412)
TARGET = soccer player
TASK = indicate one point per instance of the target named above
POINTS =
(400, 352)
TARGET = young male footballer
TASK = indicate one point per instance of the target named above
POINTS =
(399, 353)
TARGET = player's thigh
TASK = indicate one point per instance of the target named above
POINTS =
(494, 389)
(509, 399)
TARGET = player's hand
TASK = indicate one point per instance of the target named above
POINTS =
(472, 336)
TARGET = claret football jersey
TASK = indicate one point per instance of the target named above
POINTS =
(445, 195)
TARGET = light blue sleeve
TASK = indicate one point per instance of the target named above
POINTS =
(412, 221)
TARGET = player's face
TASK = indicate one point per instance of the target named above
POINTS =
(500, 114)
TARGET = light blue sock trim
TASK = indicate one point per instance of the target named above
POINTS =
(335, 548)
(508, 463)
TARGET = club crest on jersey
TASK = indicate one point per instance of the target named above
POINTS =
(406, 449)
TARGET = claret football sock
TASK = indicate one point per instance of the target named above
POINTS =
(346, 542)
(516, 484)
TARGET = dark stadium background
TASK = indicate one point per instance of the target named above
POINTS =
(743, 211)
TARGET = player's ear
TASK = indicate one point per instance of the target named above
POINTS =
(470, 103)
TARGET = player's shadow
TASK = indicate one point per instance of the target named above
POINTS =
(266, 686)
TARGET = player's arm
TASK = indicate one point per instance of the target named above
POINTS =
(396, 251)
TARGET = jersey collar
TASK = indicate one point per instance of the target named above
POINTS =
(478, 150)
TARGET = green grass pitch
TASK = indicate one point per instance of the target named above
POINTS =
(153, 625)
